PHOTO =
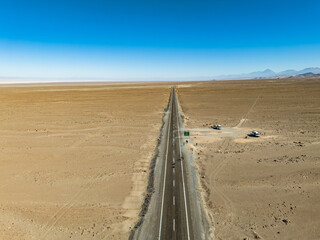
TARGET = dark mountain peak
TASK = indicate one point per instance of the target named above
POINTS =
(306, 74)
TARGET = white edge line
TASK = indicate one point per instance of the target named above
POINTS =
(165, 173)
(184, 189)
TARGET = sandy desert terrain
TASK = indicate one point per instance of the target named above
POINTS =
(74, 159)
(258, 188)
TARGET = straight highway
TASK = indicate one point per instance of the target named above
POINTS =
(173, 210)
(174, 220)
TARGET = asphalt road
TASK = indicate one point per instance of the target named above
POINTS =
(172, 210)
(174, 218)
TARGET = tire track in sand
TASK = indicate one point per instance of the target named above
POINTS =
(227, 143)
(66, 207)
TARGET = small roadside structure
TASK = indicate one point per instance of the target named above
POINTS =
(186, 133)
(254, 134)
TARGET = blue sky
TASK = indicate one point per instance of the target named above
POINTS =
(141, 40)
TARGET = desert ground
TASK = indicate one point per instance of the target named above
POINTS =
(74, 159)
(258, 188)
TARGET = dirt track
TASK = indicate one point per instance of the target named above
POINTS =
(265, 188)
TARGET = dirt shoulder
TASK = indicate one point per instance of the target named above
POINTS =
(75, 159)
(265, 187)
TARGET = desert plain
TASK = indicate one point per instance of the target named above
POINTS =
(257, 188)
(74, 159)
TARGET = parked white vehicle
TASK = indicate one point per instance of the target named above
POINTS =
(254, 134)
(217, 127)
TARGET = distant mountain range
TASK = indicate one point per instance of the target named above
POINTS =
(268, 73)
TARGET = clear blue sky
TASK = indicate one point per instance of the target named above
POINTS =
(148, 39)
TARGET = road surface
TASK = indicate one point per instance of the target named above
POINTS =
(175, 210)
(174, 220)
